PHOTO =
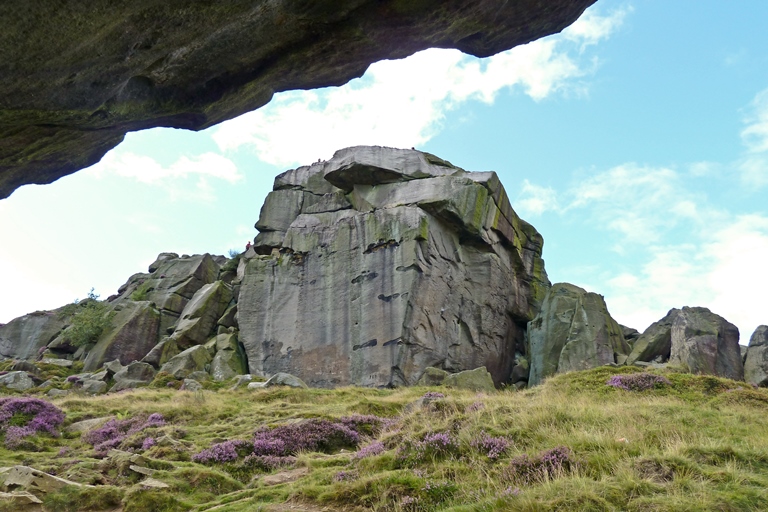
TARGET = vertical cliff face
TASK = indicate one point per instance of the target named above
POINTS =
(382, 262)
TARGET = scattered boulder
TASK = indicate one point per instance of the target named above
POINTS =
(20, 381)
(240, 381)
(64, 363)
(478, 379)
(630, 334)
(188, 361)
(284, 379)
(756, 362)
(134, 375)
(655, 342)
(191, 385)
(86, 425)
(573, 331)
(162, 353)
(432, 377)
(112, 367)
(704, 342)
(94, 387)
(32, 480)
(226, 364)
(19, 500)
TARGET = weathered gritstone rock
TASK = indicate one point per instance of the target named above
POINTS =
(134, 375)
(704, 342)
(24, 337)
(432, 267)
(756, 363)
(192, 359)
(135, 330)
(201, 314)
(656, 340)
(20, 381)
(574, 331)
(135, 65)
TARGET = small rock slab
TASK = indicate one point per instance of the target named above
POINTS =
(478, 379)
(19, 381)
(153, 483)
(285, 477)
(65, 363)
(19, 499)
(86, 425)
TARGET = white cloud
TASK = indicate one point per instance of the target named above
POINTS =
(754, 165)
(402, 103)
(534, 200)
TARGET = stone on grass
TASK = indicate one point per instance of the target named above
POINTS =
(188, 361)
(66, 363)
(432, 377)
(191, 385)
(478, 379)
(655, 342)
(20, 381)
(240, 381)
(226, 364)
(284, 379)
(94, 387)
(134, 375)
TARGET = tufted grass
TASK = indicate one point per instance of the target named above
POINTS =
(697, 444)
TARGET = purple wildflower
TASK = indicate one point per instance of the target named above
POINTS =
(23, 417)
(114, 432)
(433, 395)
(547, 464)
(375, 448)
(267, 462)
(638, 381)
(475, 406)
(344, 476)
(223, 452)
(492, 447)
(311, 435)
(148, 443)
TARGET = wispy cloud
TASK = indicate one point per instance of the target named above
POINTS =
(402, 103)
(754, 165)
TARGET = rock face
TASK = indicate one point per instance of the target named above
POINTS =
(756, 363)
(75, 80)
(656, 342)
(23, 337)
(704, 342)
(573, 331)
(382, 262)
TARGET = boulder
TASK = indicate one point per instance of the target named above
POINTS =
(112, 367)
(574, 331)
(227, 364)
(432, 377)
(19, 500)
(706, 343)
(655, 342)
(756, 362)
(65, 363)
(26, 336)
(188, 361)
(162, 353)
(520, 372)
(32, 480)
(240, 381)
(284, 379)
(191, 385)
(134, 332)
(161, 258)
(94, 387)
(134, 375)
(200, 315)
(20, 381)
(430, 267)
(478, 379)
(63, 110)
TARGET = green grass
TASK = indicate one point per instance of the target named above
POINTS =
(698, 444)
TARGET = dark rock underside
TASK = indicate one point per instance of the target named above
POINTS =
(76, 76)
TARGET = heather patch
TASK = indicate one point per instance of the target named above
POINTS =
(638, 381)
(491, 447)
(432, 446)
(24, 417)
(546, 465)
(224, 452)
(127, 433)
(373, 449)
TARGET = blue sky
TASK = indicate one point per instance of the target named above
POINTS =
(636, 142)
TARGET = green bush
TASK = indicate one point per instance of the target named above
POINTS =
(89, 322)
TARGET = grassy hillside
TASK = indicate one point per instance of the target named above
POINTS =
(574, 443)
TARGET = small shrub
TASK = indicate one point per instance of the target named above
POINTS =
(431, 446)
(312, 435)
(224, 452)
(115, 433)
(638, 381)
(491, 447)
(24, 417)
(89, 322)
(547, 464)
(375, 448)
(143, 291)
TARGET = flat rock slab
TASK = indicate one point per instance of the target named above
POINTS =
(284, 477)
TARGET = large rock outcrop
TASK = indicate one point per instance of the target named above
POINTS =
(24, 337)
(75, 78)
(382, 262)
(573, 331)
(704, 342)
(756, 362)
